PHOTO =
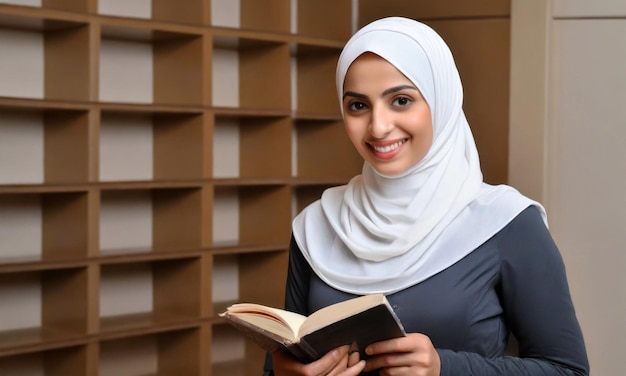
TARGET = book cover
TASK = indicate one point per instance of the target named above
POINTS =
(352, 322)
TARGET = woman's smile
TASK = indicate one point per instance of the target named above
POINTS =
(386, 150)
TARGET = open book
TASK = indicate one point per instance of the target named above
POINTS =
(357, 322)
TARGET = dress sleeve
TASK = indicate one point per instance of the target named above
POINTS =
(537, 306)
(296, 290)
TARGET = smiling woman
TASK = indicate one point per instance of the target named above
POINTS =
(466, 265)
(386, 117)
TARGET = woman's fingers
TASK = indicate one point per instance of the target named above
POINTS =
(413, 354)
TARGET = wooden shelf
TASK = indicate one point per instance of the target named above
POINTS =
(154, 157)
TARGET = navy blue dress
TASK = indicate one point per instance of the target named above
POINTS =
(515, 283)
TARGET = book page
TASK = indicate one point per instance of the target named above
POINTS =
(275, 320)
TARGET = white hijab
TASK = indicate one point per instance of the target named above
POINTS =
(385, 233)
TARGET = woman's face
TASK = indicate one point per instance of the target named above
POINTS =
(385, 115)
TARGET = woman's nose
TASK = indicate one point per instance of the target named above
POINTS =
(381, 123)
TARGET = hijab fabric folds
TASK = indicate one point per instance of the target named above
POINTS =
(385, 233)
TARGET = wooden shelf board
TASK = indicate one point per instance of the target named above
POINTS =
(305, 45)
(35, 18)
(238, 112)
(43, 188)
(105, 186)
(126, 256)
(45, 105)
(151, 184)
(228, 248)
(131, 325)
(322, 117)
(132, 108)
(34, 264)
(229, 38)
(39, 105)
(249, 182)
(121, 256)
(311, 182)
(37, 339)
(138, 29)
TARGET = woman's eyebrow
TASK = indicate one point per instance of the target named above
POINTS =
(398, 88)
(386, 92)
(354, 94)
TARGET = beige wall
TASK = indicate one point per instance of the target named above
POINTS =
(568, 126)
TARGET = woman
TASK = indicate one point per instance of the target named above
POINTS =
(464, 264)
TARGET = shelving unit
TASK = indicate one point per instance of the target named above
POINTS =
(152, 157)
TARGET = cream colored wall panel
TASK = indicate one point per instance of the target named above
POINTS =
(586, 177)
(225, 216)
(226, 149)
(126, 72)
(125, 289)
(294, 152)
(589, 8)
(225, 279)
(226, 13)
(225, 89)
(126, 148)
(24, 293)
(125, 221)
(20, 227)
(32, 3)
(125, 8)
(293, 71)
(22, 70)
(227, 345)
(293, 17)
(21, 148)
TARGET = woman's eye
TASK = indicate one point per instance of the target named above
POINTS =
(356, 106)
(402, 101)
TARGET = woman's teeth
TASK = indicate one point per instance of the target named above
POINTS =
(388, 148)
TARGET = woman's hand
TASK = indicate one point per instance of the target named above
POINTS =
(338, 362)
(412, 355)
